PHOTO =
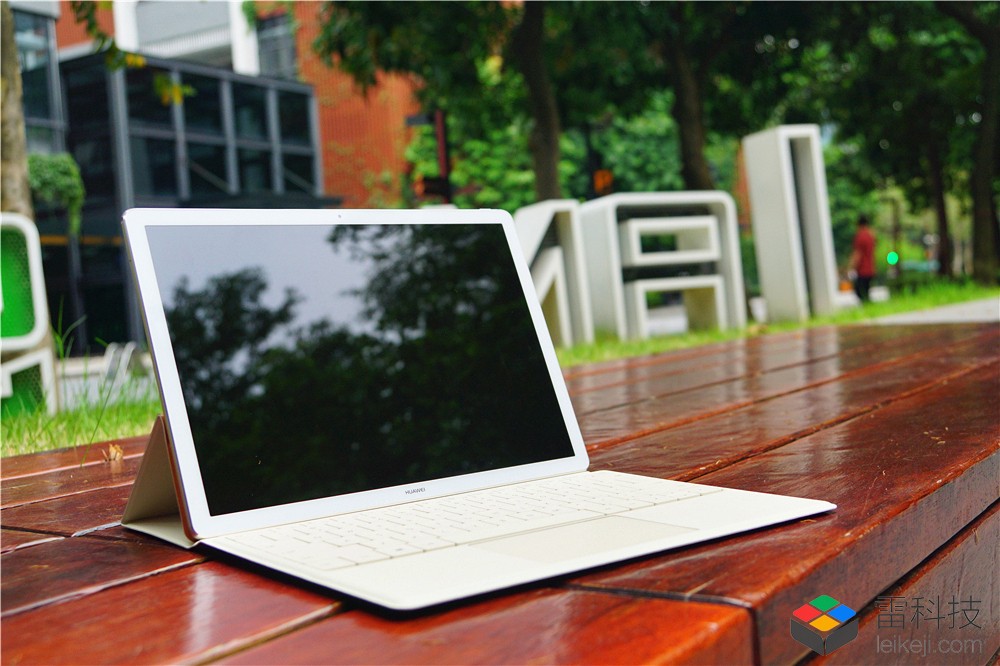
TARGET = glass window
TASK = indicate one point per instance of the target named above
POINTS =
(146, 104)
(94, 157)
(293, 113)
(40, 139)
(154, 166)
(31, 35)
(297, 171)
(203, 109)
(207, 168)
(255, 170)
(87, 97)
(276, 47)
(250, 105)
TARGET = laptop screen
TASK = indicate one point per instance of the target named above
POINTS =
(323, 360)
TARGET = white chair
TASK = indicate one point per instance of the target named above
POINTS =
(552, 243)
(793, 237)
(27, 375)
(703, 225)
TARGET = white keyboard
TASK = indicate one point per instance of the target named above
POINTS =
(396, 531)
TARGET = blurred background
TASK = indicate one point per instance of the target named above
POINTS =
(291, 104)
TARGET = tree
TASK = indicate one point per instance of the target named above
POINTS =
(724, 62)
(982, 21)
(527, 43)
(533, 46)
(901, 85)
(420, 356)
(15, 193)
(445, 44)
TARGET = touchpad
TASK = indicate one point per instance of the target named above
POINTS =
(581, 539)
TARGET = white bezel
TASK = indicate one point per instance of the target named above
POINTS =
(199, 523)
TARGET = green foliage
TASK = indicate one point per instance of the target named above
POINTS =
(848, 194)
(491, 167)
(435, 311)
(443, 43)
(85, 12)
(751, 275)
(169, 91)
(31, 432)
(899, 80)
(642, 151)
(55, 179)
(249, 9)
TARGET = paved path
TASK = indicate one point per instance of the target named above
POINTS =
(986, 310)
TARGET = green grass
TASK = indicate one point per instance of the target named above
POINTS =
(89, 424)
(912, 298)
(28, 433)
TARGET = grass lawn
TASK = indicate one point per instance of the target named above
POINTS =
(88, 424)
(28, 433)
(930, 295)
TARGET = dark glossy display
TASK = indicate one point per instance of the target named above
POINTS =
(320, 360)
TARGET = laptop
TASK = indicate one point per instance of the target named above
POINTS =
(369, 400)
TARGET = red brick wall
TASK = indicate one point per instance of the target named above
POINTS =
(362, 136)
(70, 33)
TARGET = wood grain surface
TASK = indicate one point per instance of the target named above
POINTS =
(540, 626)
(945, 611)
(898, 425)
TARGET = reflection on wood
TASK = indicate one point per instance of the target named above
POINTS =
(544, 626)
(897, 425)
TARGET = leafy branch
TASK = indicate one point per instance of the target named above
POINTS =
(56, 179)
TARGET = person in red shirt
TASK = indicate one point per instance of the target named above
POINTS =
(863, 258)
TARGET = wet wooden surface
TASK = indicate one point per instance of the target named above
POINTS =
(900, 426)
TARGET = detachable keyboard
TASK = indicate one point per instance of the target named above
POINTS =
(377, 534)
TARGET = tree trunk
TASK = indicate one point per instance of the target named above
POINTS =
(985, 225)
(935, 167)
(688, 110)
(527, 43)
(15, 193)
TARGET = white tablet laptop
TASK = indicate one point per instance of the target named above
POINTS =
(369, 400)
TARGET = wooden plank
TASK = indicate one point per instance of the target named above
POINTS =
(119, 533)
(654, 413)
(184, 615)
(67, 568)
(49, 461)
(845, 353)
(693, 449)
(67, 481)
(70, 515)
(906, 478)
(752, 356)
(757, 354)
(944, 612)
(540, 626)
(11, 540)
(624, 369)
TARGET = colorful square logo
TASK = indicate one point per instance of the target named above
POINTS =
(824, 624)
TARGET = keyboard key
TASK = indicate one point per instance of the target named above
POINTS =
(378, 534)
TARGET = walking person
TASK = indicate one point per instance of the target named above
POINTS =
(863, 258)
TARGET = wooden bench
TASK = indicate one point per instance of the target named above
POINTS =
(898, 425)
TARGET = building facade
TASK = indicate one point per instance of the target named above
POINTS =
(363, 137)
(220, 113)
